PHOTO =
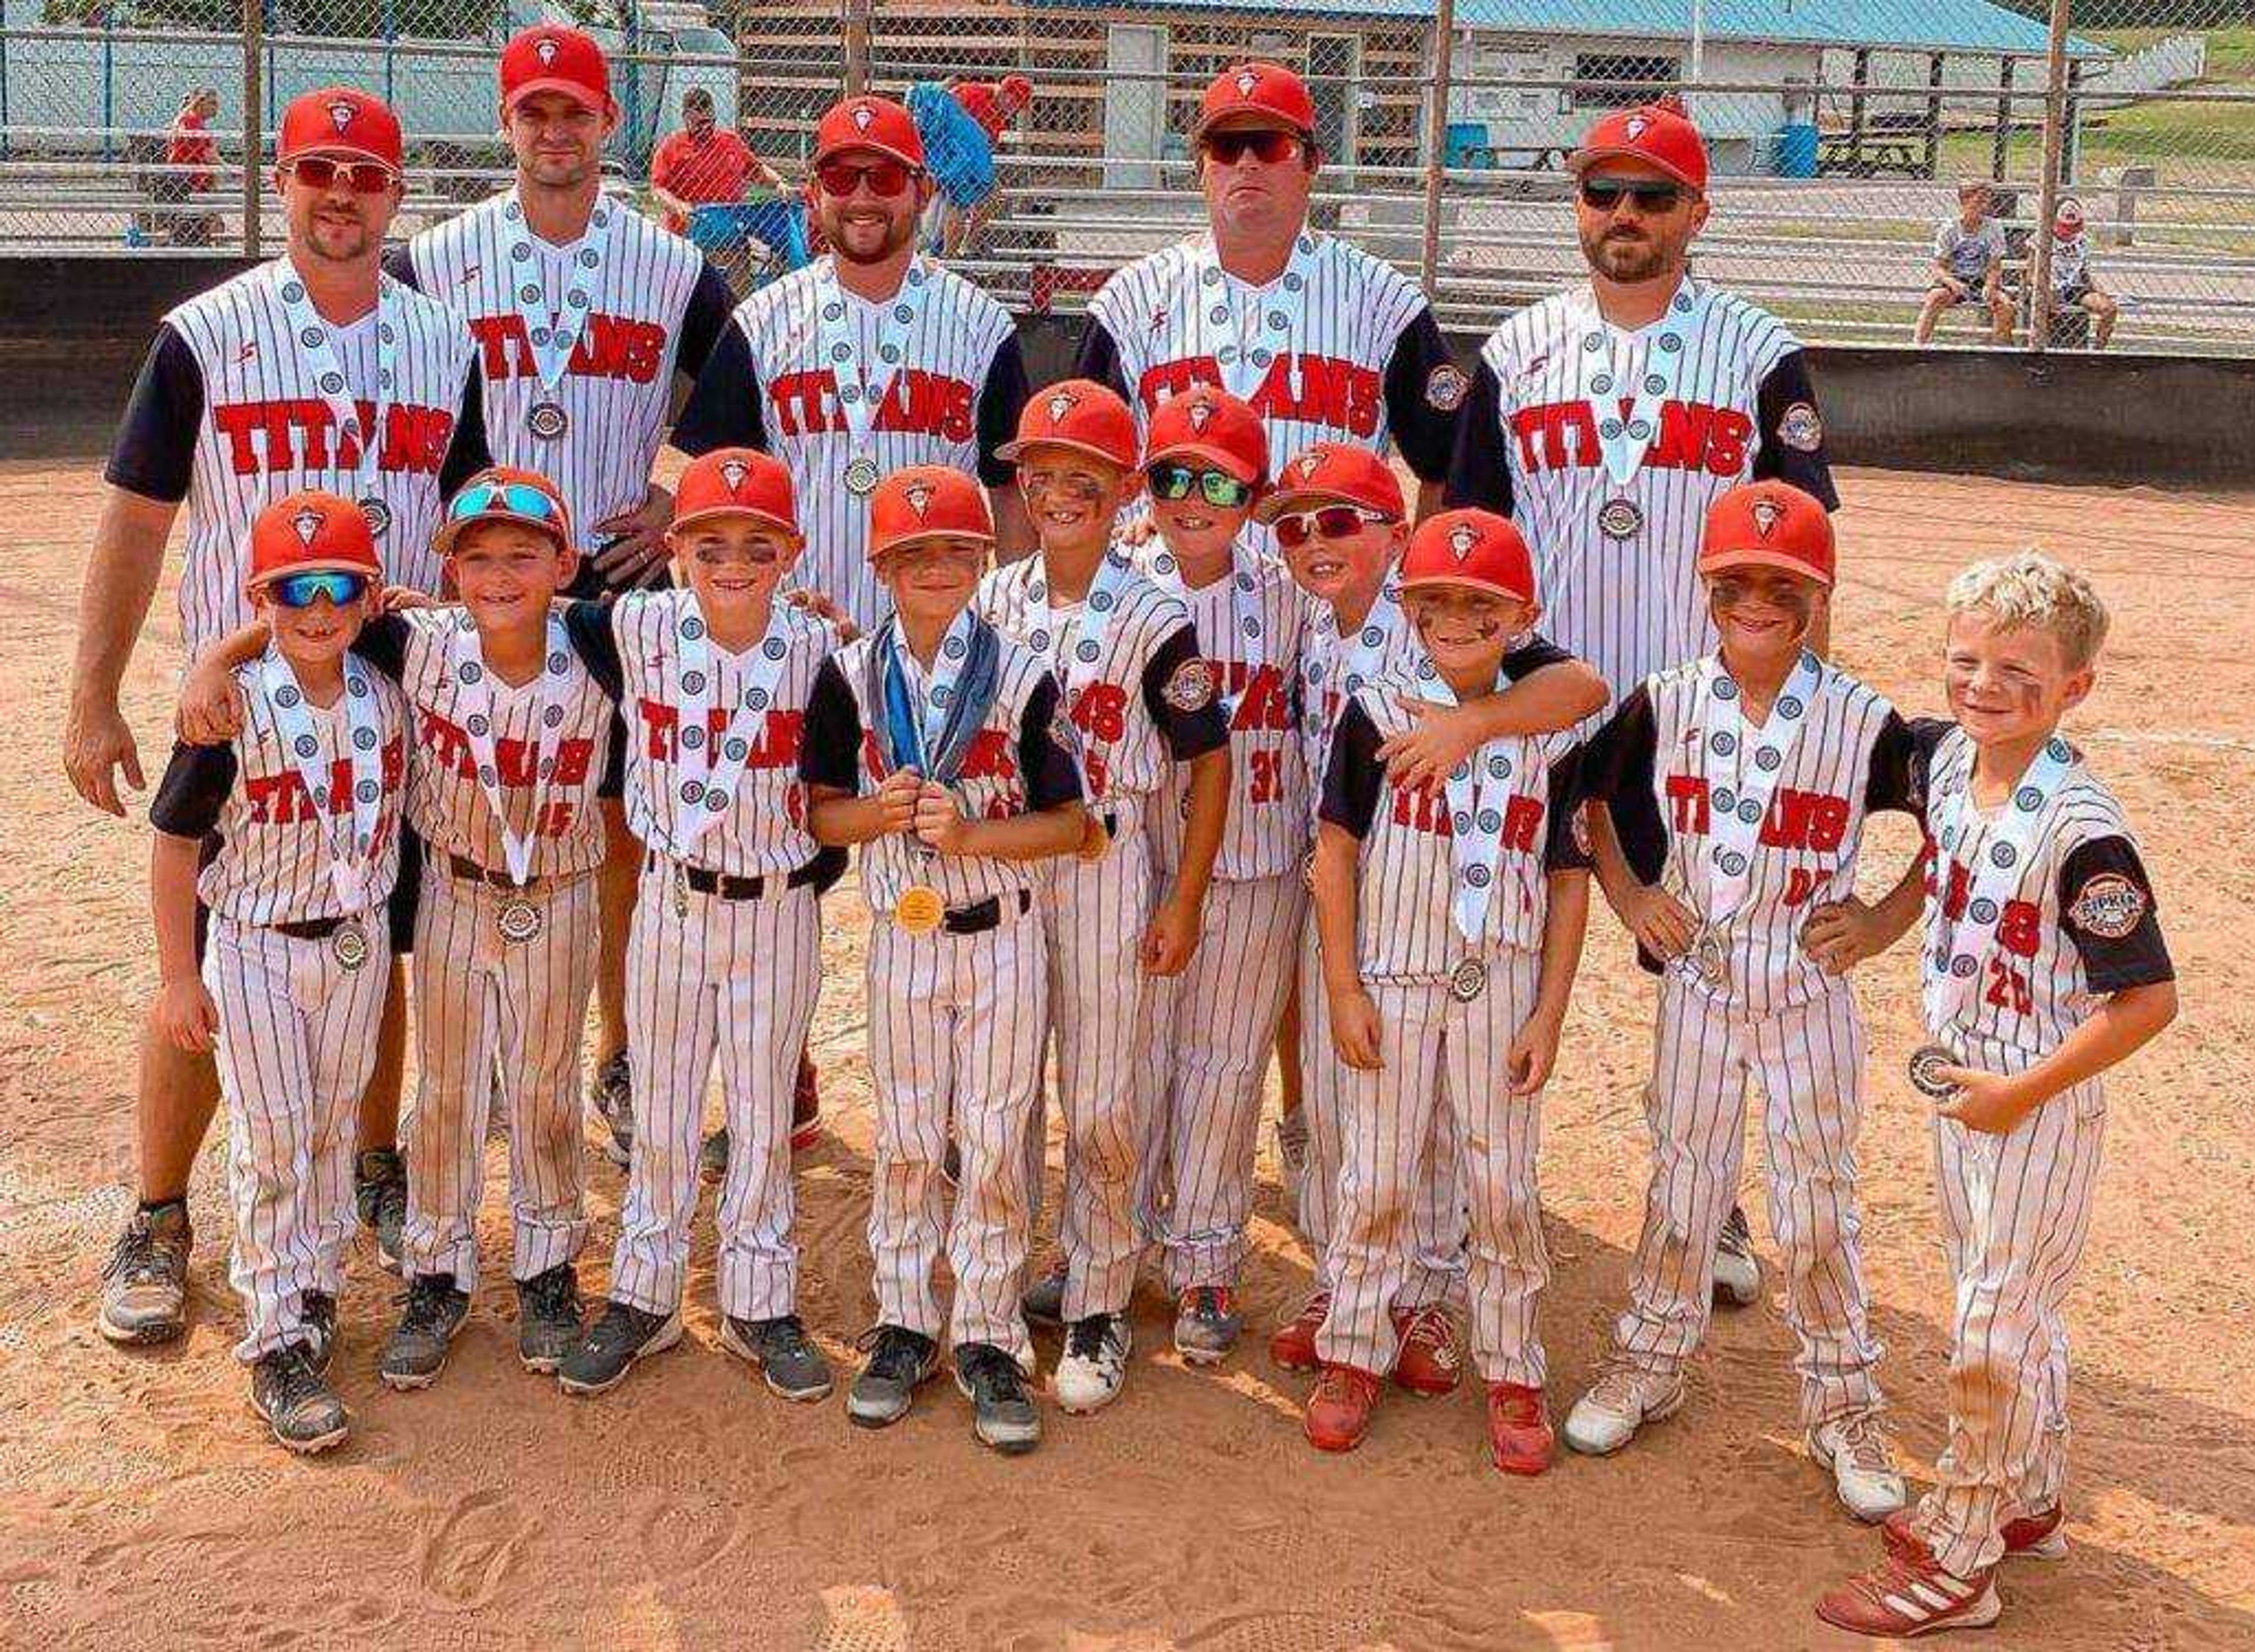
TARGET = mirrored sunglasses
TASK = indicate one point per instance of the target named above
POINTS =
(1332, 521)
(1218, 488)
(300, 591)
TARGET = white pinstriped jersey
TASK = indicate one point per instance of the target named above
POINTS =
(266, 432)
(446, 802)
(1404, 929)
(616, 391)
(1629, 607)
(2081, 923)
(1112, 699)
(1663, 767)
(1020, 760)
(790, 407)
(1267, 830)
(1331, 673)
(763, 828)
(272, 863)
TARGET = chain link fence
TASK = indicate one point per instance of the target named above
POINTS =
(1840, 129)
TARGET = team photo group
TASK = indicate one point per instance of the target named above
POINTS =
(1167, 732)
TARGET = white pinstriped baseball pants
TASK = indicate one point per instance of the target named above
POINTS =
(735, 980)
(1093, 915)
(1443, 1060)
(1212, 1029)
(1808, 1059)
(482, 1003)
(1436, 1259)
(2015, 1210)
(956, 1025)
(297, 1041)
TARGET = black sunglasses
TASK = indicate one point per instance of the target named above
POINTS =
(1603, 194)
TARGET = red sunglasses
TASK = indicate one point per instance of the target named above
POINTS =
(362, 178)
(885, 178)
(1328, 522)
(1267, 146)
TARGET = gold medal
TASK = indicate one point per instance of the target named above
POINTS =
(919, 910)
(1095, 838)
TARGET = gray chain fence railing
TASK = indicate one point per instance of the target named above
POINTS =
(1840, 129)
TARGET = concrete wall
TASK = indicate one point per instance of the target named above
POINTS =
(72, 332)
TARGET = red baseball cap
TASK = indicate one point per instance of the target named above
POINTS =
(1212, 426)
(1333, 473)
(1017, 87)
(869, 122)
(1658, 134)
(1768, 524)
(312, 532)
(1079, 414)
(551, 58)
(927, 502)
(737, 482)
(1476, 548)
(504, 493)
(343, 121)
(1267, 90)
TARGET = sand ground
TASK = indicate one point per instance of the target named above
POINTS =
(140, 1504)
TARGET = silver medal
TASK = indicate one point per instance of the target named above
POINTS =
(1620, 519)
(1710, 958)
(861, 477)
(548, 421)
(518, 921)
(378, 514)
(350, 944)
(1926, 1064)
(1468, 980)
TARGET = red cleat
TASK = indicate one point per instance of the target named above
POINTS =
(1908, 1593)
(1292, 1346)
(1339, 1407)
(1428, 1361)
(2027, 1536)
(805, 1107)
(1519, 1436)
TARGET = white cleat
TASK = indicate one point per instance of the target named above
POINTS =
(1855, 1448)
(1737, 1271)
(1094, 1365)
(1622, 1400)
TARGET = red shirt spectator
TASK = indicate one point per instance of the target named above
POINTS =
(702, 162)
(993, 104)
(190, 144)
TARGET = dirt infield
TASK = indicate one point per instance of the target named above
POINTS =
(140, 1505)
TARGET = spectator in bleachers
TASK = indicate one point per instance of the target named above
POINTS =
(191, 152)
(1969, 265)
(960, 125)
(701, 163)
(2074, 285)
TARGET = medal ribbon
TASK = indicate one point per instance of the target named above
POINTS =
(1950, 968)
(725, 757)
(347, 841)
(318, 347)
(467, 658)
(1623, 441)
(1477, 790)
(860, 393)
(1075, 666)
(1247, 634)
(554, 332)
(934, 738)
(1735, 815)
(1277, 311)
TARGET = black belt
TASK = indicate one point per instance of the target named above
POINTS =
(981, 915)
(470, 871)
(729, 887)
(310, 928)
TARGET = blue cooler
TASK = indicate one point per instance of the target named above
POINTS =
(1797, 150)
(725, 225)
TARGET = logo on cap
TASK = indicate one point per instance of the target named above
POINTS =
(733, 471)
(1462, 538)
(307, 522)
(863, 115)
(1310, 463)
(1201, 414)
(341, 113)
(1060, 404)
(1635, 127)
(1247, 80)
(544, 49)
(1766, 513)
(918, 496)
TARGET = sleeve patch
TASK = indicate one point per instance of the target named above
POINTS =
(2108, 905)
(1191, 688)
(1578, 824)
(1446, 387)
(1799, 427)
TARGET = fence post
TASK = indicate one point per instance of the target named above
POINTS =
(2055, 110)
(254, 124)
(1998, 146)
(857, 47)
(1436, 143)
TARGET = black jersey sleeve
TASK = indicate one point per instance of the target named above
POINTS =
(1356, 774)
(588, 626)
(1480, 469)
(1896, 781)
(1532, 655)
(382, 643)
(1792, 435)
(1100, 359)
(2107, 907)
(1425, 394)
(399, 265)
(1180, 693)
(723, 410)
(703, 320)
(830, 747)
(1567, 848)
(154, 452)
(1617, 769)
(467, 452)
(1001, 399)
(1045, 766)
(194, 790)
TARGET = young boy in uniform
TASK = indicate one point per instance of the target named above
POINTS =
(1449, 921)
(724, 956)
(2043, 966)
(1211, 1028)
(1340, 521)
(290, 979)
(944, 748)
(1139, 691)
(1738, 786)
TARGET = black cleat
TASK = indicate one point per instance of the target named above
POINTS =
(297, 1402)
(433, 1310)
(549, 1321)
(783, 1353)
(380, 1190)
(900, 1359)
(1002, 1413)
(144, 1285)
(623, 1335)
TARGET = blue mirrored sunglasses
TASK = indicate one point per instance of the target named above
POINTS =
(298, 591)
(518, 499)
